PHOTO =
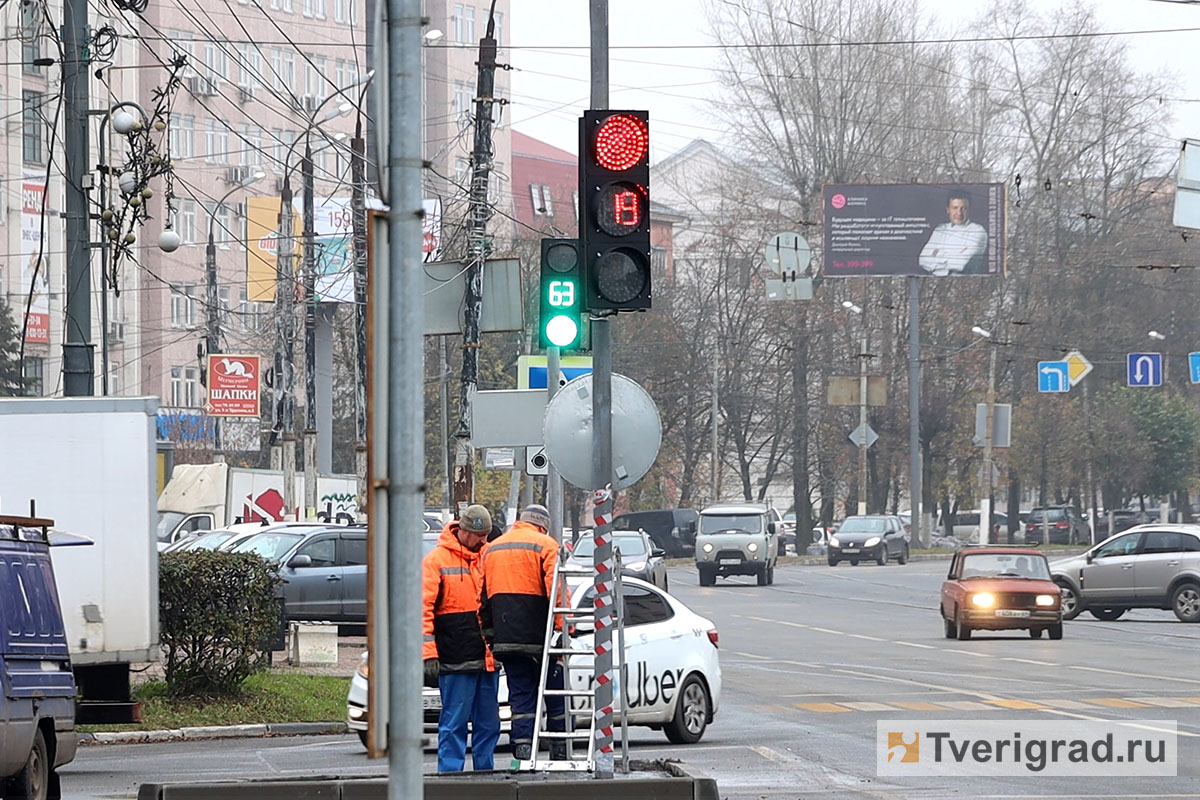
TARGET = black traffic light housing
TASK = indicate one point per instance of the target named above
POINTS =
(560, 322)
(614, 225)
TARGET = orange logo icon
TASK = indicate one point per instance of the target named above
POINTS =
(904, 748)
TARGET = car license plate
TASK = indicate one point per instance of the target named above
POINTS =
(431, 702)
(731, 561)
(849, 549)
(1011, 612)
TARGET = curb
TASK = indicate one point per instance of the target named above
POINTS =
(215, 732)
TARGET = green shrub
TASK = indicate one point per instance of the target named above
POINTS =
(217, 612)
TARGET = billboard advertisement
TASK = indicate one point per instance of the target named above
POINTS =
(333, 229)
(939, 229)
(35, 265)
(233, 386)
(262, 247)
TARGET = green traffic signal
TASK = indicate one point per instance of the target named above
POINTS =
(561, 300)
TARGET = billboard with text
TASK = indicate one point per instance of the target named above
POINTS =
(35, 262)
(936, 229)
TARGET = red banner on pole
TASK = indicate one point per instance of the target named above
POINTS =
(233, 386)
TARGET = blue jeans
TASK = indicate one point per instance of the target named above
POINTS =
(522, 674)
(468, 696)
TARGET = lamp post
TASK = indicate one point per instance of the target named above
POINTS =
(1164, 508)
(985, 502)
(213, 339)
(862, 409)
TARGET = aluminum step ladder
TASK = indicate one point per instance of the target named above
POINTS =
(556, 646)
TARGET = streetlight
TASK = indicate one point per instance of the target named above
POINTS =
(1156, 335)
(213, 339)
(862, 409)
(985, 501)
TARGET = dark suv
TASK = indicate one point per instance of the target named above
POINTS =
(1060, 524)
(671, 529)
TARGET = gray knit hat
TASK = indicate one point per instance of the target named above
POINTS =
(538, 515)
(476, 519)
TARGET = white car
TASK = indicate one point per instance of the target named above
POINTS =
(672, 681)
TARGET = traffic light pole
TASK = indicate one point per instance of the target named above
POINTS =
(78, 377)
(602, 451)
(554, 484)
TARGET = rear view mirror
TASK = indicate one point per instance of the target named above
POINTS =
(770, 527)
(300, 561)
(658, 553)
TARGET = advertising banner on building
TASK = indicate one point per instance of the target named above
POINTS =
(35, 263)
(936, 229)
(233, 386)
(262, 247)
(431, 229)
(333, 229)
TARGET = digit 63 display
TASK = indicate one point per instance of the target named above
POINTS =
(561, 305)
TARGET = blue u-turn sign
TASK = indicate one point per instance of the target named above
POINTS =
(1145, 369)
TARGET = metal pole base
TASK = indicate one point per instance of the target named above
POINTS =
(78, 369)
(310, 474)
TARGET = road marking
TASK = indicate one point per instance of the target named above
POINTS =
(822, 630)
(1139, 675)
(750, 655)
(1092, 718)
(913, 705)
(918, 644)
(1164, 702)
(966, 705)
(1032, 661)
(822, 708)
(770, 754)
(1073, 704)
(864, 636)
(1115, 702)
(969, 652)
(863, 706)
(1016, 705)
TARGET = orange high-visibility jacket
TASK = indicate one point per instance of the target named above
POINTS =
(451, 583)
(518, 576)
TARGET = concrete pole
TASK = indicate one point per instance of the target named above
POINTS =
(554, 484)
(310, 335)
(715, 480)
(989, 433)
(862, 419)
(914, 411)
(78, 368)
(444, 404)
(602, 452)
(359, 208)
(285, 332)
(405, 379)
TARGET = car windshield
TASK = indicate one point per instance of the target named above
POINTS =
(208, 541)
(167, 520)
(271, 546)
(1005, 565)
(863, 525)
(1048, 515)
(731, 523)
(631, 547)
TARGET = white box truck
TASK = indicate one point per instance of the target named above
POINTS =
(89, 464)
(203, 497)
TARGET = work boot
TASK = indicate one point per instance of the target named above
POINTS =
(522, 752)
(558, 751)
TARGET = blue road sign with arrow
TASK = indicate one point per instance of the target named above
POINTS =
(1053, 376)
(1145, 369)
(1194, 366)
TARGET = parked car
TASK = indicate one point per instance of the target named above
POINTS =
(1150, 566)
(324, 569)
(737, 540)
(878, 537)
(38, 733)
(673, 530)
(219, 538)
(639, 557)
(1000, 588)
(1123, 520)
(1064, 523)
(673, 671)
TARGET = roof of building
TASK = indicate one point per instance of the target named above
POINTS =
(529, 147)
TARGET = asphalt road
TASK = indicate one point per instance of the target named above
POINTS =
(810, 664)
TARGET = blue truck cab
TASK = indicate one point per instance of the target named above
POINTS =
(37, 711)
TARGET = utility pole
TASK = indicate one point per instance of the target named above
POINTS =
(985, 507)
(554, 483)
(78, 368)
(602, 557)
(358, 207)
(862, 421)
(284, 377)
(715, 480)
(914, 410)
(479, 247)
(310, 335)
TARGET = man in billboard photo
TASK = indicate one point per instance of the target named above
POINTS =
(957, 247)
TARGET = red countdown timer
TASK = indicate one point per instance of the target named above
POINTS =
(621, 142)
(621, 208)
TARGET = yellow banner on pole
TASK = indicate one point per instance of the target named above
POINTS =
(262, 248)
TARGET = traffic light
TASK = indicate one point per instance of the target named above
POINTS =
(614, 193)
(561, 294)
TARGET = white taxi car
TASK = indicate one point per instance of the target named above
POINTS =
(671, 676)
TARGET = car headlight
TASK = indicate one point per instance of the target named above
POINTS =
(708, 548)
(752, 547)
(363, 666)
(1046, 600)
(874, 540)
(983, 600)
(833, 540)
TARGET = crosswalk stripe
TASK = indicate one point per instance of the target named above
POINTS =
(1018, 705)
(823, 708)
(1072, 705)
(1163, 702)
(870, 706)
(965, 705)
(1115, 702)
(914, 705)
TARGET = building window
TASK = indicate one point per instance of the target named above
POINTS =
(462, 173)
(30, 37)
(499, 29)
(249, 314)
(216, 64)
(183, 220)
(182, 137)
(114, 377)
(314, 8)
(575, 202)
(462, 100)
(183, 305)
(464, 23)
(32, 376)
(343, 11)
(224, 305)
(249, 67)
(223, 230)
(185, 387)
(658, 260)
(33, 127)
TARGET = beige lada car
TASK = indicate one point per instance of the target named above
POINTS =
(737, 540)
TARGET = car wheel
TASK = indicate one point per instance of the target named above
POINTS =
(1055, 630)
(1035, 633)
(1185, 602)
(708, 576)
(691, 713)
(949, 625)
(763, 575)
(902, 559)
(1071, 606)
(33, 781)
(882, 558)
(771, 575)
(1107, 614)
(664, 582)
(962, 631)
(362, 737)
(833, 562)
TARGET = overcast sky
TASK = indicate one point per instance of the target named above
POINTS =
(551, 81)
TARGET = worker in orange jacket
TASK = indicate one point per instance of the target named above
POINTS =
(456, 655)
(518, 576)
